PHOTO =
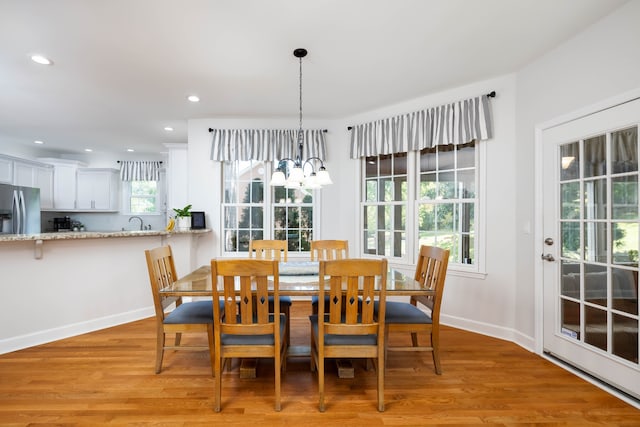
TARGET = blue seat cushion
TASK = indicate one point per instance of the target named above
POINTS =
(192, 312)
(335, 339)
(283, 300)
(268, 339)
(403, 312)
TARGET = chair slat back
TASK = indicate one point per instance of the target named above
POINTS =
(327, 250)
(431, 271)
(268, 249)
(162, 273)
(245, 289)
(352, 289)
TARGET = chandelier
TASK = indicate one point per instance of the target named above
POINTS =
(297, 177)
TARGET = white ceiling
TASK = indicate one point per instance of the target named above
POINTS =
(123, 68)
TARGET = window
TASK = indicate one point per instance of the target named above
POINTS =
(385, 205)
(447, 200)
(443, 191)
(143, 197)
(251, 213)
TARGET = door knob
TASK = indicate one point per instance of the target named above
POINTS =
(547, 257)
(548, 241)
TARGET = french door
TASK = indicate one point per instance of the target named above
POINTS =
(591, 229)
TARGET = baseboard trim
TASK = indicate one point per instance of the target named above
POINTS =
(507, 334)
(48, 335)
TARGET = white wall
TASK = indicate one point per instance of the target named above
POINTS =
(595, 65)
(485, 305)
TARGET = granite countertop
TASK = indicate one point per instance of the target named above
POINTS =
(73, 235)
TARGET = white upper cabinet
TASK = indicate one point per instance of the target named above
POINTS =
(64, 183)
(38, 176)
(6, 171)
(97, 189)
(28, 173)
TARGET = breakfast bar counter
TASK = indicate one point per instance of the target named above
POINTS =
(73, 235)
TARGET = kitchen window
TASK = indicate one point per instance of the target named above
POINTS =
(143, 197)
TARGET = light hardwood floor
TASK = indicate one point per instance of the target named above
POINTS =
(107, 377)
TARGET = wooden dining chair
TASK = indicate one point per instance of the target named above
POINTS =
(327, 250)
(249, 327)
(274, 250)
(268, 249)
(406, 317)
(186, 317)
(350, 329)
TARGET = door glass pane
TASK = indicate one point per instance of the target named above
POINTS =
(595, 284)
(595, 241)
(595, 199)
(570, 318)
(570, 279)
(624, 150)
(624, 289)
(595, 159)
(570, 200)
(385, 163)
(569, 161)
(428, 160)
(595, 332)
(446, 157)
(624, 243)
(624, 191)
(625, 337)
(570, 239)
(371, 190)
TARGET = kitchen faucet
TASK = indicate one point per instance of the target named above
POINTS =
(137, 217)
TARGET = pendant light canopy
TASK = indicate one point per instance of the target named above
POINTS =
(297, 177)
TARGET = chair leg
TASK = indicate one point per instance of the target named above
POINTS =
(178, 336)
(287, 325)
(435, 344)
(320, 366)
(276, 360)
(159, 350)
(414, 339)
(380, 371)
(212, 350)
(218, 382)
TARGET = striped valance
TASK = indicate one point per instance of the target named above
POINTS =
(140, 170)
(265, 144)
(455, 123)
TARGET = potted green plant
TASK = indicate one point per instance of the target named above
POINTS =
(183, 218)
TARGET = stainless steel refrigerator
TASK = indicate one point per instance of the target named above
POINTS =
(19, 209)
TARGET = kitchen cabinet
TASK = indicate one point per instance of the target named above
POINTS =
(6, 171)
(64, 183)
(38, 176)
(28, 173)
(97, 189)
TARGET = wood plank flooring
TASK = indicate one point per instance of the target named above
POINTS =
(107, 377)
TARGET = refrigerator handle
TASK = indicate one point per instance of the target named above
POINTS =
(15, 213)
(23, 213)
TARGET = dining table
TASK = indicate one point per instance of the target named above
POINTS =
(296, 279)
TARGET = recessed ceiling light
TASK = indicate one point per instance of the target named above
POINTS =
(38, 142)
(193, 98)
(168, 129)
(131, 150)
(88, 150)
(41, 60)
